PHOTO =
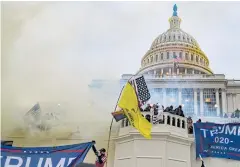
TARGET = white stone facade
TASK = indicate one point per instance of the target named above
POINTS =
(177, 72)
(224, 95)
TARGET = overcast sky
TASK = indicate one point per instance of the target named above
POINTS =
(115, 35)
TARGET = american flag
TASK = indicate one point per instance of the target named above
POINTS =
(33, 116)
(142, 92)
(176, 61)
(141, 89)
(176, 58)
(34, 111)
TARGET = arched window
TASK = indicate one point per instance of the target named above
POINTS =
(191, 57)
(197, 59)
(178, 122)
(174, 37)
(178, 37)
(161, 56)
(151, 59)
(186, 56)
(183, 124)
(156, 58)
(168, 120)
(180, 55)
(148, 60)
(173, 121)
(167, 55)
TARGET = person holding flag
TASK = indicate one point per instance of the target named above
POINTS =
(134, 94)
(101, 158)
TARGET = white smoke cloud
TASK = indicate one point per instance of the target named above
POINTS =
(48, 58)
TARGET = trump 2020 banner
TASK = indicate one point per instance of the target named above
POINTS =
(217, 140)
(60, 156)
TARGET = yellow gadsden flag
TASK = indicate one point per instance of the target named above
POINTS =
(129, 103)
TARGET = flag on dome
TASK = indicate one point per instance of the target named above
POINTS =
(176, 58)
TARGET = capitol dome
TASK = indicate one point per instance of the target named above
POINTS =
(175, 52)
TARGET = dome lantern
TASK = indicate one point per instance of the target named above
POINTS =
(174, 21)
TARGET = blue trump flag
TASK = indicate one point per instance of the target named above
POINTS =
(60, 156)
(217, 140)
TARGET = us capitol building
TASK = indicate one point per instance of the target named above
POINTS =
(177, 72)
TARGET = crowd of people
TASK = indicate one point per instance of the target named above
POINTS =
(235, 114)
(157, 117)
(156, 109)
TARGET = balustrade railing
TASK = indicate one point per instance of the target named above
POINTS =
(163, 119)
(180, 76)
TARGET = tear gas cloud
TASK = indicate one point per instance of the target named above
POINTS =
(48, 56)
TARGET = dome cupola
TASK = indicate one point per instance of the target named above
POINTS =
(175, 52)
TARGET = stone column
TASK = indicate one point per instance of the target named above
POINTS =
(201, 102)
(162, 71)
(180, 96)
(170, 71)
(195, 102)
(217, 102)
(224, 101)
(164, 97)
(231, 105)
(177, 71)
(193, 71)
(185, 70)
(234, 102)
